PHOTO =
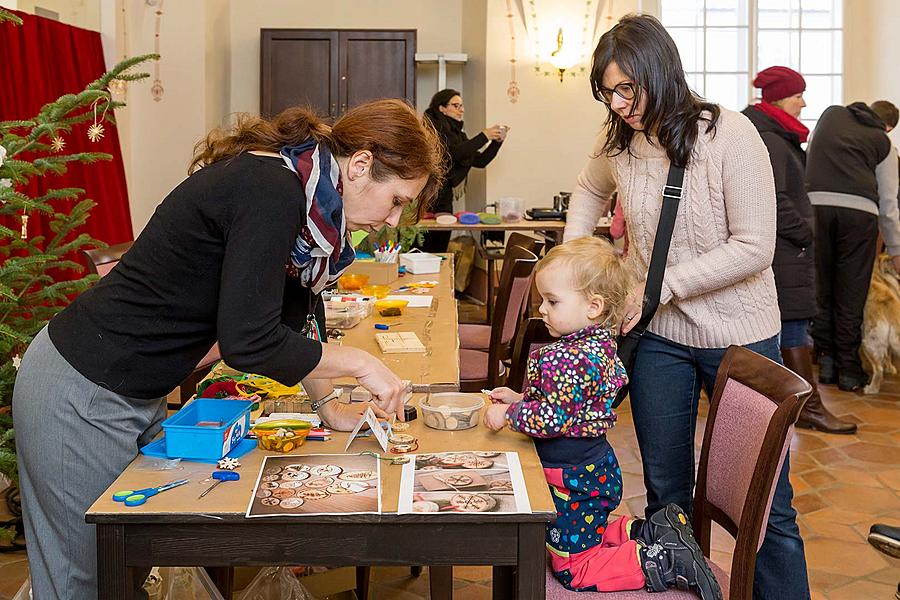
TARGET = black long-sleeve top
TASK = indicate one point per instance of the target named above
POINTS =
(209, 265)
(462, 153)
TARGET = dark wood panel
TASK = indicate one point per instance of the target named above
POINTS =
(299, 67)
(322, 544)
(377, 64)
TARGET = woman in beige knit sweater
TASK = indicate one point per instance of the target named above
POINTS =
(718, 287)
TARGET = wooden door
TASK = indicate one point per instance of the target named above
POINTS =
(376, 64)
(299, 67)
(333, 70)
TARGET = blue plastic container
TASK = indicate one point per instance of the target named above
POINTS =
(186, 439)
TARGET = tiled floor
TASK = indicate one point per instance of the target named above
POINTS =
(842, 485)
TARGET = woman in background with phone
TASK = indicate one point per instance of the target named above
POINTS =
(446, 112)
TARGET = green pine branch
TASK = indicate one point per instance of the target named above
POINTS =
(5, 15)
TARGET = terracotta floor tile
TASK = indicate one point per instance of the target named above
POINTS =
(819, 478)
(875, 501)
(873, 453)
(807, 441)
(838, 515)
(888, 575)
(857, 477)
(811, 526)
(472, 573)
(800, 486)
(862, 589)
(840, 557)
(473, 591)
(808, 503)
(820, 580)
(829, 456)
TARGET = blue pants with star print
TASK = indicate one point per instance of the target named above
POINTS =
(587, 552)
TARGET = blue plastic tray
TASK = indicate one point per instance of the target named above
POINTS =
(185, 439)
(157, 449)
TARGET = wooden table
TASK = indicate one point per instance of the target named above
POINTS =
(435, 370)
(552, 229)
(175, 528)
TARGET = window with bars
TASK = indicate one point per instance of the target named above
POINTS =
(723, 43)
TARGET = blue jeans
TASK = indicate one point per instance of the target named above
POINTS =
(795, 333)
(665, 394)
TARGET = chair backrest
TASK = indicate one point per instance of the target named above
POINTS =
(101, 261)
(511, 320)
(533, 334)
(515, 283)
(748, 432)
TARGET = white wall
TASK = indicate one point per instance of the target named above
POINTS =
(872, 52)
(210, 69)
(438, 25)
(553, 125)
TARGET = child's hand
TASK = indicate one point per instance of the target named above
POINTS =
(504, 395)
(495, 417)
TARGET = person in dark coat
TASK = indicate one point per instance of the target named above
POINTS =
(776, 118)
(446, 113)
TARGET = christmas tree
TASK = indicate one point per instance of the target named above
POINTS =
(29, 294)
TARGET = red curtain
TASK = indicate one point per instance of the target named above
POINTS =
(40, 61)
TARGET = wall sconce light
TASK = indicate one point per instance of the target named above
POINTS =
(561, 59)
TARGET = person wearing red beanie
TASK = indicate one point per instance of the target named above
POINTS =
(776, 119)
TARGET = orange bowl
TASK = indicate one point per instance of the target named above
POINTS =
(379, 291)
(352, 281)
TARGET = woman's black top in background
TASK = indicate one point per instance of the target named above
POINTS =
(794, 262)
(209, 265)
(462, 154)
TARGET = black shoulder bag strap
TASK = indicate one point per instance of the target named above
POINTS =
(652, 290)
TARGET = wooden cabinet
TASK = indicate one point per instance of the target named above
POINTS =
(333, 70)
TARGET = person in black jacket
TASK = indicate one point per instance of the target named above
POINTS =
(852, 181)
(446, 113)
(776, 118)
(239, 252)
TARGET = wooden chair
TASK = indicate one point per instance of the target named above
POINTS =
(101, 261)
(478, 368)
(748, 434)
(533, 334)
(477, 336)
(491, 255)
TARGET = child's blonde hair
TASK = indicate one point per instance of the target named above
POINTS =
(596, 269)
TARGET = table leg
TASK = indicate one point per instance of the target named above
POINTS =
(531, 572)
(362, 582)
(223, 578)
(113, 579)
(440, 582)
(503, 582)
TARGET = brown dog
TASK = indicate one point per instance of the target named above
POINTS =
(881, 324)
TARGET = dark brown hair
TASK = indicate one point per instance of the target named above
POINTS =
(886, 111)
(402, 146)
(645, 51)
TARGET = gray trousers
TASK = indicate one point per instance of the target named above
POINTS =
(73, 439)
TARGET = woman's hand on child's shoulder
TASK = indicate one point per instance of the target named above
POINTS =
(495, 416)
(504, 395)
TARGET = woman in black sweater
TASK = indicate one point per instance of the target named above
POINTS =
(239, 252)
(777, 119)
(446, 113)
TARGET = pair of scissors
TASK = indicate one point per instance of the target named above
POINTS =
(138, 497)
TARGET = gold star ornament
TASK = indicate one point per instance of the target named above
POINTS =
(95, 132)
(58, 144)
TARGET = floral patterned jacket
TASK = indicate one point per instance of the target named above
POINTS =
(570, 386)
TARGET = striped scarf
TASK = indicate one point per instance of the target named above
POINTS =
(323, 249)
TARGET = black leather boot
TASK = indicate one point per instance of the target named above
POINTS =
(814, 414)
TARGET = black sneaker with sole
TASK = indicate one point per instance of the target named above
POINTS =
(671, 556)
(885, 538)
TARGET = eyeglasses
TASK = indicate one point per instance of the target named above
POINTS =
(625, 90)
(456, 105)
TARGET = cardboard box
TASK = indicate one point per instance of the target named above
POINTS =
(379, 273)
(419, 263)
(333, 583)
